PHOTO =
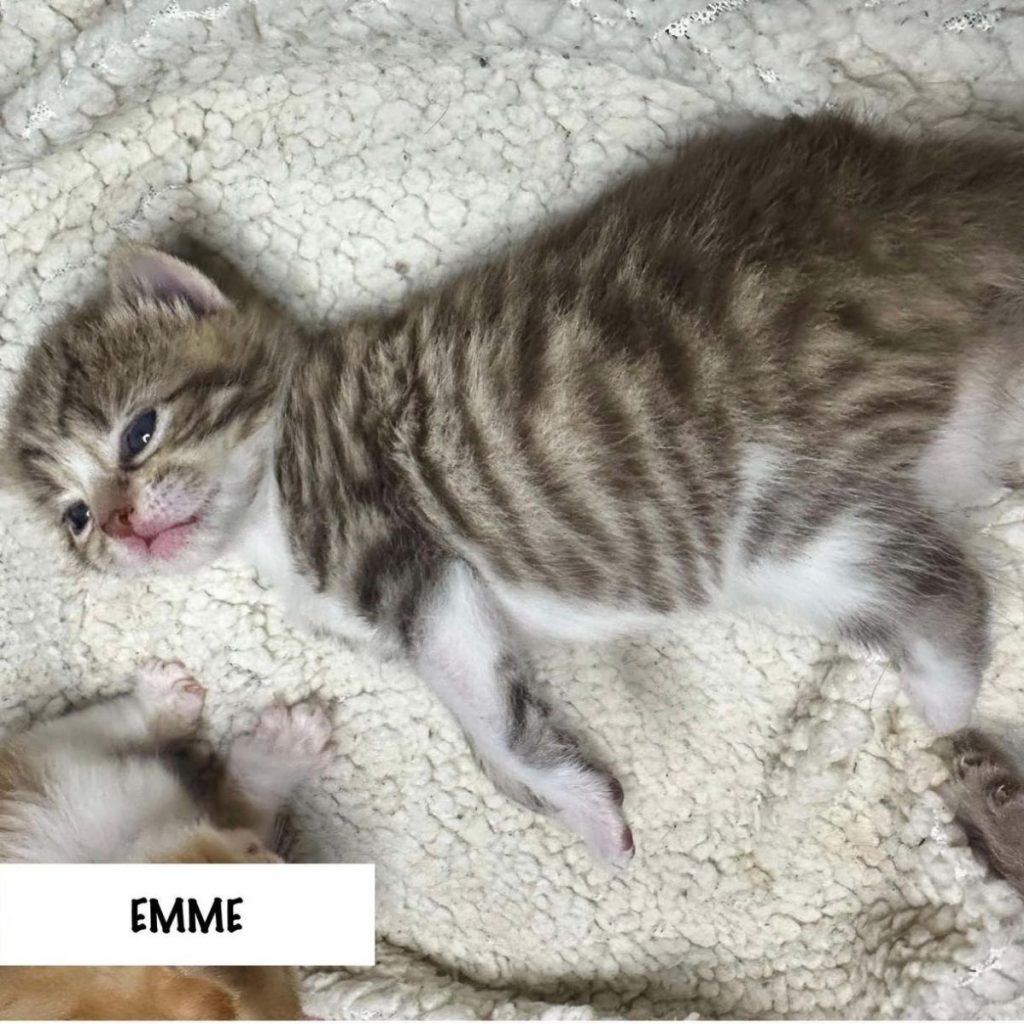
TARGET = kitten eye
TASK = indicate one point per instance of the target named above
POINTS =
(138, 435)
(78, 516)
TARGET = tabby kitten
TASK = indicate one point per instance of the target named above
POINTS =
(765, 370)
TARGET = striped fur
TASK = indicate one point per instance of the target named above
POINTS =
(767, 369)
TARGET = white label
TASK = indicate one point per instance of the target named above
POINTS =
(63, 915)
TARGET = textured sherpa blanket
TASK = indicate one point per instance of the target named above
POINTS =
(795, 854)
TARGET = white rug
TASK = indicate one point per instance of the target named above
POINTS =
(794, 857)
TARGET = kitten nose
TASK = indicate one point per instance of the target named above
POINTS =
(119, 523)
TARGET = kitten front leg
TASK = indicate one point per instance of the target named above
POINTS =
(166, 705)
(462, 648)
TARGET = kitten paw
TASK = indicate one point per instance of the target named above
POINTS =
(171, 699)
(596, 816)
(300, 732)
(984, 771)
(975, 756)
(295, 737)
(287, 746)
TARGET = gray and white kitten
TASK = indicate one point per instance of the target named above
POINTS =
(766, 370)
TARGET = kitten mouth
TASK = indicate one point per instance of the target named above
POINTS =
(164, 545)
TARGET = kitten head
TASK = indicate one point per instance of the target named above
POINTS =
(141, 428)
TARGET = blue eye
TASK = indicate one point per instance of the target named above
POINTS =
(78, 516)
(138, 435)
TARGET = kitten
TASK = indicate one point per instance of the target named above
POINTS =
(989, 798)
(766, 370)
(93, 786)
(148, 993)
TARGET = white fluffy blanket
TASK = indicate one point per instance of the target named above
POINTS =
(795, 856)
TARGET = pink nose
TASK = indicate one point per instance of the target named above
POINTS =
(119, 523)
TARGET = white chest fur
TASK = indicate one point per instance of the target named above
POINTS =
(265, 545)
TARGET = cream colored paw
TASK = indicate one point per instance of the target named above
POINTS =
(171, 698)
(291, 738)
(301, 732)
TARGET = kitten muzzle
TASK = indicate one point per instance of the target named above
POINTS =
(148, 538)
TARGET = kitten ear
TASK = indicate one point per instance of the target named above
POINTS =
(138, 271)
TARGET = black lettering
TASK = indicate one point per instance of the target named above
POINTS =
(186, 916)
(195, 916)
(138, 918)
(161, 922)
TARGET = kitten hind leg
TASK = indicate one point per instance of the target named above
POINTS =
(461, 648)
(934, 619)
(946, 636)
(942, 681)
